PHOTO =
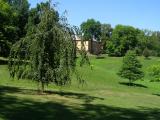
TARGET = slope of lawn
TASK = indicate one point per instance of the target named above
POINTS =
(102, 96)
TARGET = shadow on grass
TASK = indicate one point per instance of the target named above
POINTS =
(3, 62)
(14, 108)
(82, 96)
(133, 84)
(7, 89)
(156, 94)
(86, 98)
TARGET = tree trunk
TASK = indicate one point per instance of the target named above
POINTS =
(130, 82)
(42, 87)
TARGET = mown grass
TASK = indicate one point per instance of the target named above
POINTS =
(103, 96)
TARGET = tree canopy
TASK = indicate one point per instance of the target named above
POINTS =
(14, 17)
(91, 28)
(106, 33)
(124, 38)
(46, 53)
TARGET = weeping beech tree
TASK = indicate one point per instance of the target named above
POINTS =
(47, 53)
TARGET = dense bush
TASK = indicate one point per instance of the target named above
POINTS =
(154, 72)
(146, 53)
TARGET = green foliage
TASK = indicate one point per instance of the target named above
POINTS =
(14, 16)
(146, 53)
(46, 54)
(7, 29)
(143, 41)
(21, 8)
(124, 38)
(150, 40)
(155, 43)
(118, 41)
(155, 72)
(105, 37)
(91, 28)
(131, 68)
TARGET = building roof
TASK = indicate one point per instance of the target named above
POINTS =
(76, 37)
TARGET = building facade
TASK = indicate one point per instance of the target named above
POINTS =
(93, 47)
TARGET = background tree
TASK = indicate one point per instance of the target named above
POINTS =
(8, 32)
(91, 30)
(144, 41)
(106, 32)
(21, 8)
(14, 16)
(154, 72)
(146, 53)
(155, 43)
(131, 68)
(150, 40)
(124, 38)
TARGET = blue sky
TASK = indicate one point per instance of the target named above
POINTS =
(143, 14)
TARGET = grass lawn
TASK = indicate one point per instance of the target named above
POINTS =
(103, 96)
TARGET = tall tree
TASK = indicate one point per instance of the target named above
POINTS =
(106, 32)
(131, 68)
(124, 38)
(21, 8)
(155, 43)
(150, 40)
(91, 29)
(14, 17)
(8, 32)
(144, 40)
(46, 53)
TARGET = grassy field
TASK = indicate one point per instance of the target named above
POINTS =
(103, 96)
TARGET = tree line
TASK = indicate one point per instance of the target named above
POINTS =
(117, 41)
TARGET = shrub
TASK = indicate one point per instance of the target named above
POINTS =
(154, 72)
(146, 53)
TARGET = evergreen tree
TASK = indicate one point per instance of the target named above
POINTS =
(131, 68)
